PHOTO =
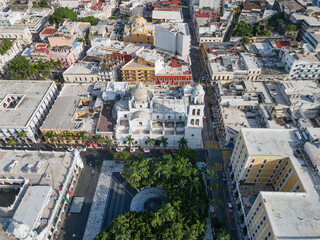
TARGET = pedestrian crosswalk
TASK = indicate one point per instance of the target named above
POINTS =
(212, 144)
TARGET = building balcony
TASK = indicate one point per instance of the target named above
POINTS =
(169, 132)
(180, 132)
(157, 124)
(124, 122)
(180, 124)
(123, 131)
(157, 132)
(141, 131)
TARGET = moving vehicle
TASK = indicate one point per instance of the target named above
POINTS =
(70, 149)
(132, 149)
(146, 150)
(214, 125)
(204, 118)
(224, 177)
(229, 206)
(119, 149)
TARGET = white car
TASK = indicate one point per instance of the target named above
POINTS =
(214, 125)
(132, 149)
(119, 149)
(146, 150)
(84, 149)
(70, 149)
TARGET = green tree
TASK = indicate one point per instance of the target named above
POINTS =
(113, 18)
(150, 142)
(246, 40)
(183, 143)
(60, 14)
(51, 137)
(291, 27)
(100, 140)
(12, 141)
(42, 4)
(130, 140)
(164, 142)
(67, 137)
(109, 143)
(121, 156)
(6, 45)
(242, 29)
(20, 68)
(92, 20)
(222, 234)
(83, 136)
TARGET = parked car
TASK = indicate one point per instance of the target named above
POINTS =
(212, 118)
(210, 105)
(229, 206)
(84, 149)
(146, 150)
(119, 149)
(210, 111)
(224, 177)
(70, 149)
(214, 125)
(204, 118)
(132, 149)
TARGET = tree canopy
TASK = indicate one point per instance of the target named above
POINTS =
(42, 4)
(61, 13)
(21, 68)
(92, 20)
(183, 214)
(5, 46)
(242, 29)
(291, 27)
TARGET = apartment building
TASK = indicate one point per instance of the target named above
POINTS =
(173, 38)
(167, 11)
(300, 64)
(276, 191)
(22, 34)
(24, 106)
(143, 68)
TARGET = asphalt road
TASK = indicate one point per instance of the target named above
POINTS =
(75, 224)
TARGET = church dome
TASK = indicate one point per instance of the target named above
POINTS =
(140, 93)
(139, 21)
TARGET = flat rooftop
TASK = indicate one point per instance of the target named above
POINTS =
(62, 115)
(32, 92)
(81, 68)
(291, 214)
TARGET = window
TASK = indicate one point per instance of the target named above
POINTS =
(140, 123)
(265, 161)
(252, 161)
(169, 117)
(192, 135)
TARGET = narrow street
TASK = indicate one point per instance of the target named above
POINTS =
(214, 153)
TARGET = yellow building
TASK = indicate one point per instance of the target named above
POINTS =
(143, 68)
(139, 31)
(274, 188)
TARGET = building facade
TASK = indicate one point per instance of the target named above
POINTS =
(24, 106)
(160, 112)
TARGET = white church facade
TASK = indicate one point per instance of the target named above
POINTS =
(160, 111)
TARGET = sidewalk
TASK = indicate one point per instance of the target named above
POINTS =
(96, 216)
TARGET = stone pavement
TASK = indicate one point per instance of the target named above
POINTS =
(96, 216)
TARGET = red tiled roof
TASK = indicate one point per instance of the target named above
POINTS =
(49, 31)
(43, 50)
(168, 4)
(280, 44)
(206, 15)
(97, 6)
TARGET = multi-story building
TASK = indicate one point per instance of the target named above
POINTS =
(106, 70)
(276, 189)
(143, 68)
(24, 106)
(74, 29)
(158, 112)
(173, 37)
(34, 19)
(211, 27)
(70, 42)
(300, 64)
(167, 11)
(9, 18)
(226, 63)
(76, 110)
(174, 72)
(15, 49)
(22, 34)
(139, 31)
(41, 184)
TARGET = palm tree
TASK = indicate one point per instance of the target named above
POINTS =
(151, 142)
(222, 234)
(22, 135)
(130, 140)
(67, 136)
(83, 136)
(164, 142)
(157, 220)
(51, 137)
(99, 139)
(183, 143)
(12, 141)
(109, 143)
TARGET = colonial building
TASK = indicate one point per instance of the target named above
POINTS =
(159, 111)
(139, 31)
